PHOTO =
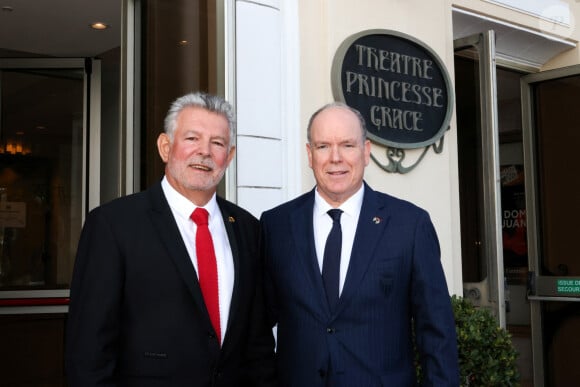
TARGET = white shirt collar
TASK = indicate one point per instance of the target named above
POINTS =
(182, 206)
(350, 207)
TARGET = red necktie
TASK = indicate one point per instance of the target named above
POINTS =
(207, 268)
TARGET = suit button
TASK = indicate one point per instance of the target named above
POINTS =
(322, 373)
(330, 330)
(211, 335)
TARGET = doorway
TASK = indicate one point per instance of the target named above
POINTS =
(492, 193)
(43, 132)
(45, 109)
(551, 137)
(58, 87)
(533, 287)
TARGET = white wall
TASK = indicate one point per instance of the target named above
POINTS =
(267, 103)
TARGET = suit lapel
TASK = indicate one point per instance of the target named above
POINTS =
(234, 239)
(303, 235)
(371, 225)
(164, 223)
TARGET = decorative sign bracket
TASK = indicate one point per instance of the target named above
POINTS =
(401, 88)
(395, 156)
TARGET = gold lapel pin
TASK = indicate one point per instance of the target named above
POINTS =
(376, 220)
(231, 219)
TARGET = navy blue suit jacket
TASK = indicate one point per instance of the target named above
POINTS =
(137, 315)
(394, 275)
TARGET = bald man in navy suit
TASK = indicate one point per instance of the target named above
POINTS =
(349, 323)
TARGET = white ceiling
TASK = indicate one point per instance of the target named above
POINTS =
(59, 28)
(513, 43)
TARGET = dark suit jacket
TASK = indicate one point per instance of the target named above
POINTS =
(394, 275)
(137, 315)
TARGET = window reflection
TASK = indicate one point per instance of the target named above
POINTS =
(41, 162)
(179, 55)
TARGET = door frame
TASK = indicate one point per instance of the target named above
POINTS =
(490, 290)
(56, 300)
(540, 288)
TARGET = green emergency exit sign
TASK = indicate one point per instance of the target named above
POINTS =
(568, 286)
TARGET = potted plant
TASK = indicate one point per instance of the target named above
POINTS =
(486, 354)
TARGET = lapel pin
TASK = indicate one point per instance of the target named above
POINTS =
(231, 219)
(377, 220)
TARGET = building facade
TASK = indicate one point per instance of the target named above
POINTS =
(81, 108)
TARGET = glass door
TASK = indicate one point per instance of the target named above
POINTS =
(49, 113)
(551, 137)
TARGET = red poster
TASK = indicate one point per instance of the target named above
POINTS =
(513, 202)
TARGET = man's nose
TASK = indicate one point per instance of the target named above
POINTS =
(335, 153)
(203, 147)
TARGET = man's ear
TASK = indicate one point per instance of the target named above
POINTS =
(367, 152)
(163, 146)
(231, 154)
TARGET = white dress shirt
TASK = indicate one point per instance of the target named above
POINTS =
(182, 208)
(348, 220)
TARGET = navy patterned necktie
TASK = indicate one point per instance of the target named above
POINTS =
(331, 262)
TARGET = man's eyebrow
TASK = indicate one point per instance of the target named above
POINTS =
(224, 138)
(190, 131)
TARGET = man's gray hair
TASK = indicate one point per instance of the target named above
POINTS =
(342, 105)
(212, 103)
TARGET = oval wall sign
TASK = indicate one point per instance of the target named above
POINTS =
(399, 85)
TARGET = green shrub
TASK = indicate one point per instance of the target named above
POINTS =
(486, 354)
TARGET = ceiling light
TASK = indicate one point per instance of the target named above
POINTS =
(99, 26)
